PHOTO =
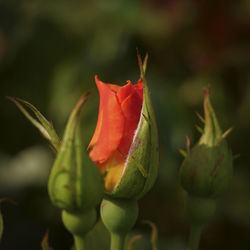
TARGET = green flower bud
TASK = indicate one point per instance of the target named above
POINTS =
(208, 167)
(74, 182)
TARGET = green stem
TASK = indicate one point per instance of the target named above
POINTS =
(79, 242)
(118, 216)
(194, 237)
(117, 241)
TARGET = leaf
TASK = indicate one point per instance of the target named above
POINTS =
(45, 242)
(42, 124)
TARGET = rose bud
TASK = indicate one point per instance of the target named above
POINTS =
(208, 167)
(125, 142)
(75, 183)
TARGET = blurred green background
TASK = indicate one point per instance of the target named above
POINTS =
(49, 54)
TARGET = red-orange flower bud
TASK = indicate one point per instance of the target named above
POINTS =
(125, 142)
(119, 115)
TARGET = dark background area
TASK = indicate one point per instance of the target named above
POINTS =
(49, 54)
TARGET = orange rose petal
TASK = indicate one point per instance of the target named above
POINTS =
(110, 125)
(131, 108)
(139, 88)
(124, 91)
(99, 123)
(119, 114)
(97, 130)
(113, 87)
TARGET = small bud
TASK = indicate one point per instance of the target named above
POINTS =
(207, 169)
(74, 182)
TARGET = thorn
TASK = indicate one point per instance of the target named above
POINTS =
(199, 129)
(182, 152)
(200, 117)
(188, 144)
(227, 132)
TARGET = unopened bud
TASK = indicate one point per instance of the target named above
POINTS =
(208, 167)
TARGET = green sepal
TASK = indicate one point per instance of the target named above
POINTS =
(212, 132)
(45, 242)
(43, 125)
(152, 166)
(154, 233)
(140, 170)
(75, 182)
(133, 178)
(132, 240)
(89, 182)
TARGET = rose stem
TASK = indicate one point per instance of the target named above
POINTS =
(194, 237)
(79, 242)
(117, 241)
